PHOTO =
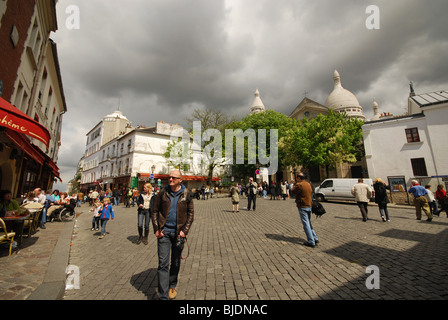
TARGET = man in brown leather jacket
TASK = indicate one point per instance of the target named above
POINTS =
(172, 217)
(304, 200)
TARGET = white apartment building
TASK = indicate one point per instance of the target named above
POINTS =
(132, 156)
(104, 133)
(412, 146)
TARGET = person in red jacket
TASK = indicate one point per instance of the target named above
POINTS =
(442, 199)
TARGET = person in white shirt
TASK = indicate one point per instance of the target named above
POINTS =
(362, 193)
(431, 200)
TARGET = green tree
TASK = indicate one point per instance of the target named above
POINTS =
(208, 119)
(263, 120)
(323, 141)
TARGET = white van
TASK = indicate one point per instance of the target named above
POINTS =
(338, 189)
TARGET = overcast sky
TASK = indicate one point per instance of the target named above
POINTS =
(161, 59)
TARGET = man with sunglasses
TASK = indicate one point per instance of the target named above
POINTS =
(172, 217)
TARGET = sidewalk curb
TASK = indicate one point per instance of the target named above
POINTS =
(53, 286)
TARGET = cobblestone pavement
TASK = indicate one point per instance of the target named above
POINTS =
(253, 255)
(25, 270)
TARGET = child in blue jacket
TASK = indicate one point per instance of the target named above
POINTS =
(106, 212)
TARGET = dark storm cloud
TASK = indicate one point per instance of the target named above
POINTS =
(161, 59)
(173, 49)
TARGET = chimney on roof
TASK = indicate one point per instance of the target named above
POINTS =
(411, 86)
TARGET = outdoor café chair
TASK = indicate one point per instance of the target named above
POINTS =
(6, 236)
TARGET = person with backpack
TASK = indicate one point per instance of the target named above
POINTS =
(172, 217)
(304, 200)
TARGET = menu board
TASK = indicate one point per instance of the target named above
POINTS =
(397, 184)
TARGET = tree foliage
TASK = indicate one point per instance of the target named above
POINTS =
(323, 141)
(209, 120)
(264, 120)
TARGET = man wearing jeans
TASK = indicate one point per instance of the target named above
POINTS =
(172, 217)
(304, 199)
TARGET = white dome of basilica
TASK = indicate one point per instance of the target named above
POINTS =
(341, 100)
(115, 115)
(257, 104)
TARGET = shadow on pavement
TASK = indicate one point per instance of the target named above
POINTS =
(146, 282)
(280, 237)
(414, 271)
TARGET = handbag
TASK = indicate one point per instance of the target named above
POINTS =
(317, 208)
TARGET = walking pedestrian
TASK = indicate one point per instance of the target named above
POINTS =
(127, 197)
(145, 204)
(283, 186)
(442, 199)
(172, 217)
(80, 198)
(96, 215)
(135, 195)
(381, 198)
(106, 212)
(433, 207)
(304, 199)
(272, 188)
(278, 191)
(251, 188)
(420, 200)
(235, 194)
(207, 191)
(117, 196)
(265, 189)
(362, 193)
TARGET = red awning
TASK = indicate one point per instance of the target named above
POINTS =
(14, 119)
(186, 178)
(32, 151)
(25, 145)
(54, 168)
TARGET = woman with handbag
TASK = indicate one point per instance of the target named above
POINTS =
(145, 204)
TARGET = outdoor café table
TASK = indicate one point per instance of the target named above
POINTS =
(16, 222)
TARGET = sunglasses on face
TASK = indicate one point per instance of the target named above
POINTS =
(174, 178)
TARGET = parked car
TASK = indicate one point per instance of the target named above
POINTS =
(338, 189)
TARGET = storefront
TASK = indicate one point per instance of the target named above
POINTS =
(23, 165)
(160, 180)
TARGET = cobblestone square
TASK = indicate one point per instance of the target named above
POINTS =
(258, 255)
